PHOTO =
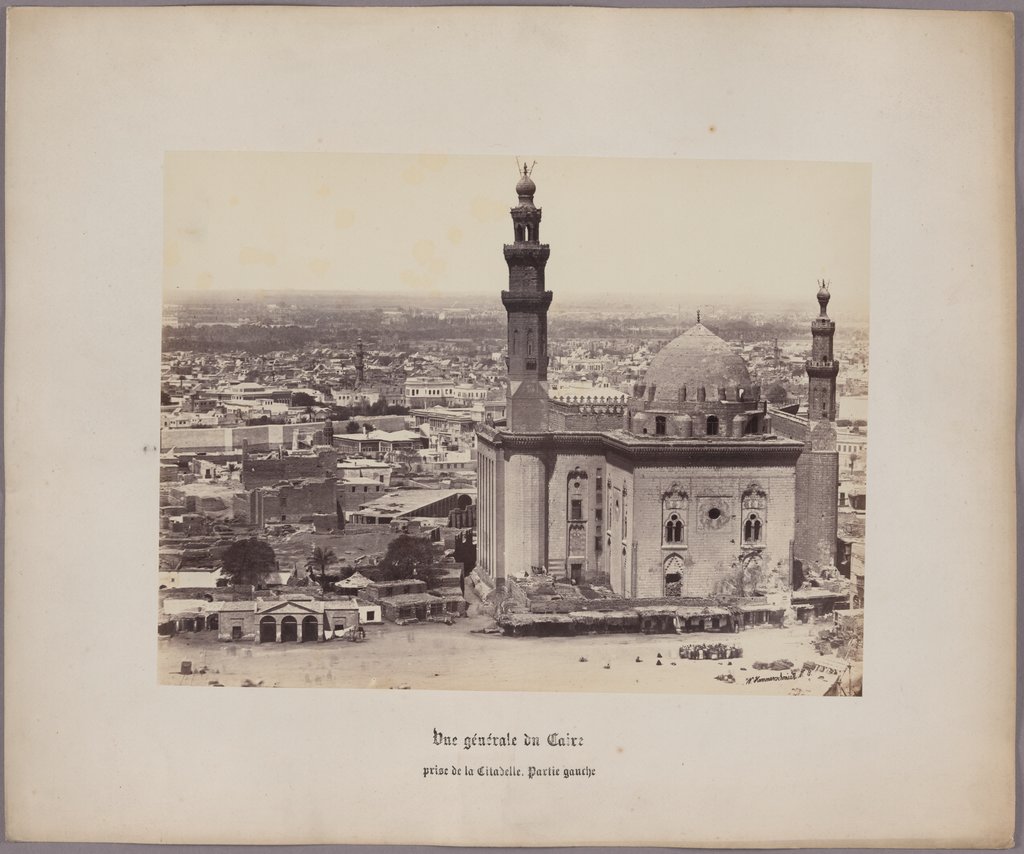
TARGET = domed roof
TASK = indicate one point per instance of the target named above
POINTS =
(696, 358)
(525, 188)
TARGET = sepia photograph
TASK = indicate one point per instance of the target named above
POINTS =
(516, 367)
(408, 442)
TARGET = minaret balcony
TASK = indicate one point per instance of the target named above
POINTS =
(525, 252)
(526, 301)
(827, 368)
(526, 213)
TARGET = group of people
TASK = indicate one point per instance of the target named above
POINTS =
(701, 651)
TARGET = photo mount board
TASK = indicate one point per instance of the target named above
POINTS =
(96, 97)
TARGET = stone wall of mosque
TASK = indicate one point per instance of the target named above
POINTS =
(715, 551)
(524, 517)
(575, 513)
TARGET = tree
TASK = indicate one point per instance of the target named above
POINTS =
(409, 557)
(776, 393)
(165, 398)
(352, 427)
(300, 398)
(249, 562)
(321, 559)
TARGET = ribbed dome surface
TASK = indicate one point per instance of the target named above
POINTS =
(696, 358)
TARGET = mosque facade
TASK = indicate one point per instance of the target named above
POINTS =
(696, 486)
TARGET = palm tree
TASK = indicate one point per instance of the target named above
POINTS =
(321, 559)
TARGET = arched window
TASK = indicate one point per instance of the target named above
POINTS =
(515, 341)
(673, 569)
(752, 529)
(529, 342)
(674, 529)
(659, 425)
(712, 429)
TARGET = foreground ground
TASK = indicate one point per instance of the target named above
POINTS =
(439, 657)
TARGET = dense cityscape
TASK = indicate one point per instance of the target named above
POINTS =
(312, 443)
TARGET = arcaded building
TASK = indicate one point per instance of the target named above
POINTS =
(695, 487)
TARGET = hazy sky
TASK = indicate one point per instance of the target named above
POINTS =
(672, 230)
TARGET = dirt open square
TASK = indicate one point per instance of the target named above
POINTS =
(439, 657)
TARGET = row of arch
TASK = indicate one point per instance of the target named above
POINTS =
(514, 344)
(753, 502)
(753, 528)
(736, 394)
(527, 232)
(661, 425)
(289, 629)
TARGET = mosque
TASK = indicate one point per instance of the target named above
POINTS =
(695, 486)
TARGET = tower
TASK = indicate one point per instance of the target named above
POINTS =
(526, 303)
(818, 467)
(359, 362)
(822, 368)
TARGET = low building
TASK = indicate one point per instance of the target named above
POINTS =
(378, 590)
(437, 462)
(298, 501)
(358, 467)
(452, 428)
(423, 606)
(354, 492)
(853, 452)
(270, 469)
(370, 614)
(354, 585)
(431, 503)
(293, 620)
(427, 391)
(362, 396)
(380, 444)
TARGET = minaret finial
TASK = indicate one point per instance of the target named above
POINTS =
(823, 296)
(698, 315)
(525, 188)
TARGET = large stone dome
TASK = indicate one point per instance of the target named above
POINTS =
(697, 359)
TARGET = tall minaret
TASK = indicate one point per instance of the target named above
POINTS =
(359, 362)
(527, 303)
(822, 368)
(817, 478)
